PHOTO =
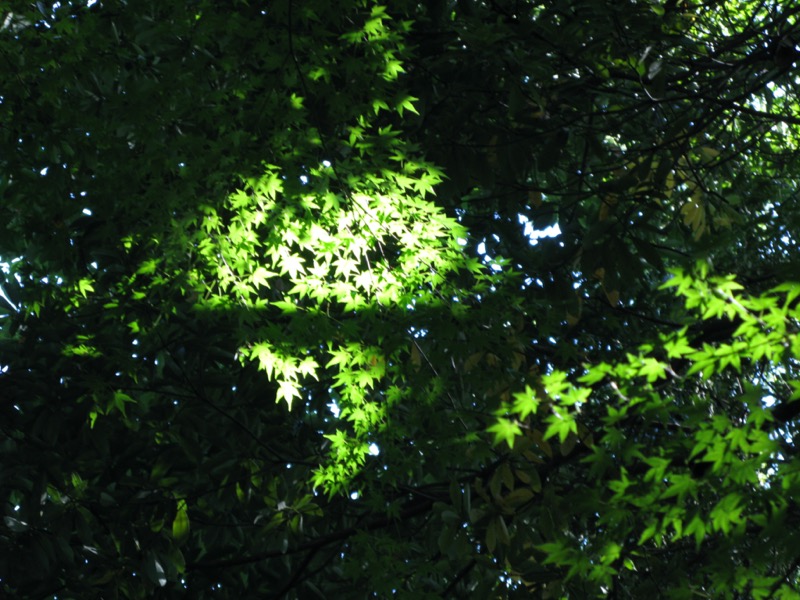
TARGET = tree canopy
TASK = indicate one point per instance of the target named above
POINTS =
(466, 298)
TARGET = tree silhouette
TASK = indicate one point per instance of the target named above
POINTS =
(280, 319)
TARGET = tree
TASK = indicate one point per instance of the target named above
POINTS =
(279, 321)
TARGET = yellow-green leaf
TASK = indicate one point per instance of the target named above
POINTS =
(180, 526)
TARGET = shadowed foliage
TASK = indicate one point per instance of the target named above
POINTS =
(418, 300)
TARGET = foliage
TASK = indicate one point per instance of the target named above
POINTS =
(280, 321)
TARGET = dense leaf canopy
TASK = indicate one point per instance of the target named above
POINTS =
(448, 299)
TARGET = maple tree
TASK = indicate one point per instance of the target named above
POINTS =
(420, 300)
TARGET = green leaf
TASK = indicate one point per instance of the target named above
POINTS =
(154, 570)
(180, 525)
(505, 430)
